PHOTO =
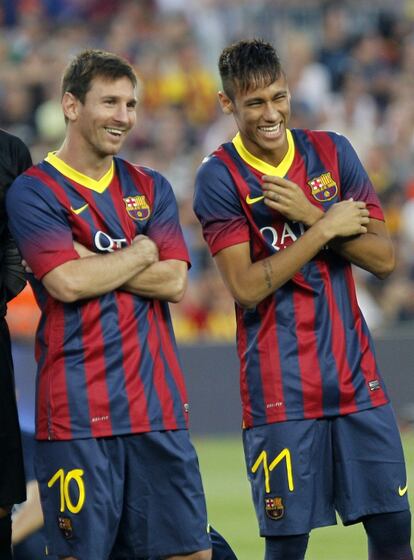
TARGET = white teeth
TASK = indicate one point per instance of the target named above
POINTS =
(274, 128)
(114, 131)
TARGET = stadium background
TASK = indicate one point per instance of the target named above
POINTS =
(350, 66)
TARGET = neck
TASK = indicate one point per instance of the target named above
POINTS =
(86, 162)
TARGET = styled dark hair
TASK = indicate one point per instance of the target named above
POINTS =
(91, 63)
(247, 65)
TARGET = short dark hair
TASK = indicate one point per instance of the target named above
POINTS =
(89, 64)
(247, 65)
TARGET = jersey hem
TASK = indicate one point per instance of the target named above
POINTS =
(88, 435)
(300, 416)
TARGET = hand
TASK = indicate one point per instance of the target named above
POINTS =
(289, 199)
(146, 249)
(347, 218)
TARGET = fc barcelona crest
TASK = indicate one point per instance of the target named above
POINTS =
(65, 525)
(323, 188)
(137, 207)
(274, 508)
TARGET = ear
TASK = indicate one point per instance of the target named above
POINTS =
(70, 105)
(225, 102)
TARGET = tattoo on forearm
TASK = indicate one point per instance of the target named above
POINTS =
(267, 266)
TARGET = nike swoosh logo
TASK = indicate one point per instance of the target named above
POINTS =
(79, 210)
(253, 200)
(402, 491)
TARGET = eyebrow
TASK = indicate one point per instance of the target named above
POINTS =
(133, 100)
(279, 92)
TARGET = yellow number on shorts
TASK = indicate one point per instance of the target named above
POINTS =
(64, 482)
(262, 458)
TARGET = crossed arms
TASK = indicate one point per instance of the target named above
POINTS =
(136, 269)
(346, 227)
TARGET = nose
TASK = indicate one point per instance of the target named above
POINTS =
(122, 114)
(270, 112)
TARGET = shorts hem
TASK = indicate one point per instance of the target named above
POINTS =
(166, 552)
(300, 531)
(354, 518)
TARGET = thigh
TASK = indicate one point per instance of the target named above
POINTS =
(81, 489)
(164, 508)
(12, 479)
(369, 464)
(289, 465)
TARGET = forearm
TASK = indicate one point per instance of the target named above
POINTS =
(163, 280)
(95, 275)
(368, 251)
(371, 251)
(251, 282)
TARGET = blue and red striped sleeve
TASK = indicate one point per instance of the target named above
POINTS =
(164, 226)
(355, 182)
(39, 225)
(217, 205)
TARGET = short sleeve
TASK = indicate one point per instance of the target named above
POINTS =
(355, 182)
(164, 225)
(218, 207)
(39, 225)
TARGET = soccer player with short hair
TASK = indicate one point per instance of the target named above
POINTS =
(118, 475)
(285, 214)
(14, 159)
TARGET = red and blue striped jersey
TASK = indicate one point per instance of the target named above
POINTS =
(305, 351)
(106, 365)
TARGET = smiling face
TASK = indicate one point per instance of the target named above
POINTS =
(99, 125)
(261, 115)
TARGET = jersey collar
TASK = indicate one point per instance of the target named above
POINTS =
(71, 173)
(265, 168)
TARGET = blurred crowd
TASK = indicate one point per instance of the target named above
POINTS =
(350, 66)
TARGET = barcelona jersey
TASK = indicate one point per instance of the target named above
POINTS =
(107, 365)
(305, 351)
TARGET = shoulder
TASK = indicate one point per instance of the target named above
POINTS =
(213, 172)
(28, 185)
(327, 142)
(14, 159)
(13, 147)
(8, 140)
(216, 161)
(300, 134)
(141, 173)
(215, 187)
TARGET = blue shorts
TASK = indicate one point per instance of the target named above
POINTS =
(123, 497)
(301, 471)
